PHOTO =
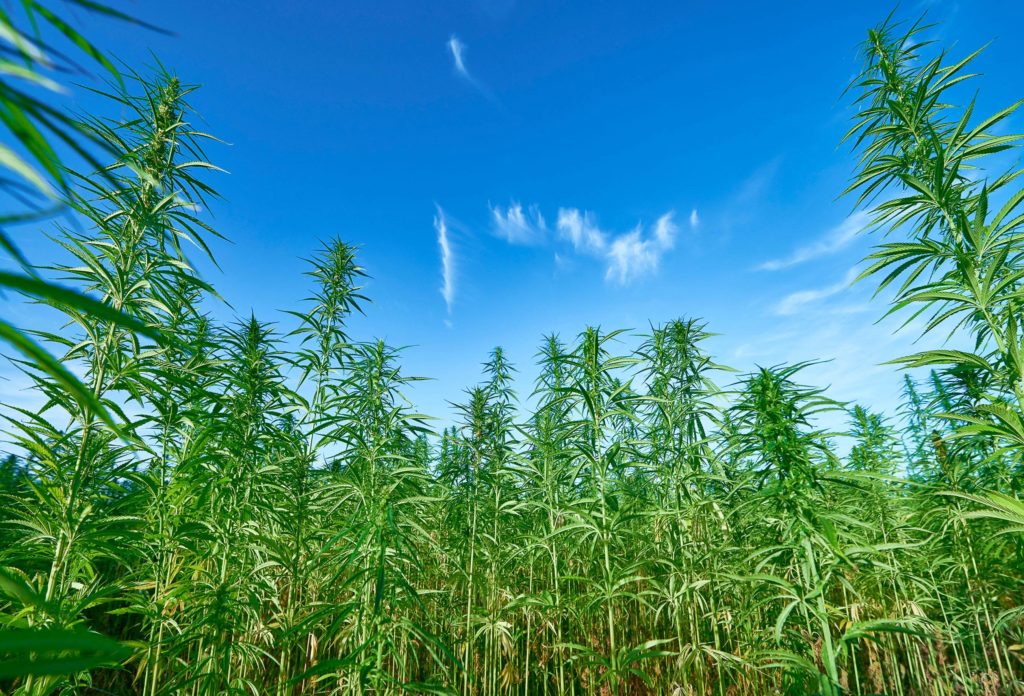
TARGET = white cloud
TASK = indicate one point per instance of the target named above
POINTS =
(631, 255)
(582, 230)
(517, 226)
(665, 231)
(833, 241)
(447, 259)
(458, 50)
(694, 219)
(628, 256)
(797, 301)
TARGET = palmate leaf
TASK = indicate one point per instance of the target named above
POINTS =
(995, 506)
(56, 294)
(38, 356)
(46, 363)
(787, 659)
(28, 117)
(16, 588)
(929, 358)
(1005, 423)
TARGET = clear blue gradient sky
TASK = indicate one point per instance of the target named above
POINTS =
(684, 158)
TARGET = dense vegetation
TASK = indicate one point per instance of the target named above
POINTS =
(199, 508)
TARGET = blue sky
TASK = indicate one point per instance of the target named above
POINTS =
(589, 163)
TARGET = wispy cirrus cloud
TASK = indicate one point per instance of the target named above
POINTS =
(796, 302)
(447, 259)
(518, 226)
(634, 254)
(694, 219)
(581, 229)
(458, 51)
(833, 241)
(628, 256)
